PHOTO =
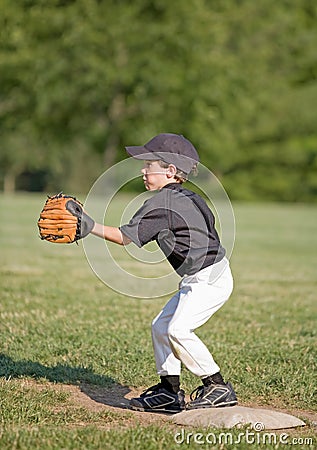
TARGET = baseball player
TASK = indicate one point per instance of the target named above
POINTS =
(180, 221)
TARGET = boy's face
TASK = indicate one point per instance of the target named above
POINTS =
(155, 176)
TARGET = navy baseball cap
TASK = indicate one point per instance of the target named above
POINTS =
(170, 148)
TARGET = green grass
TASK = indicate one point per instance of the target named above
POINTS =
(60, 325)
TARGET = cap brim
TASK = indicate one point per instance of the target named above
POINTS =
(140, 152)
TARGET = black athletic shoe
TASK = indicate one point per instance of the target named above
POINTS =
(158, 399)
(212, 396)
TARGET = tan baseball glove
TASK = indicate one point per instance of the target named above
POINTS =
(63, 220)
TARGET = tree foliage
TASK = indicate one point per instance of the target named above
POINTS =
(80, 79)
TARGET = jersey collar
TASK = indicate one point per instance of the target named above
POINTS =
(176, 186)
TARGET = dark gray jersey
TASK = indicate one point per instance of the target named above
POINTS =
(180, 221)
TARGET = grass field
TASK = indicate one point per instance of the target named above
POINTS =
(69, 343)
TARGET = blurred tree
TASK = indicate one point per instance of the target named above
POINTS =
(80, 79)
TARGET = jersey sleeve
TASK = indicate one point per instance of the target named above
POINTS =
(146, 224)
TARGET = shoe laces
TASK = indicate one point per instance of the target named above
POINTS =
(154, 388)
(198, 392)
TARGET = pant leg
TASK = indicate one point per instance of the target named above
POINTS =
(166, 362)
(199, 299)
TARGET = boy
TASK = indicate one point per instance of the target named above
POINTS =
(183, 226)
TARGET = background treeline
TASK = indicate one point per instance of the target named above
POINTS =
(80, 79)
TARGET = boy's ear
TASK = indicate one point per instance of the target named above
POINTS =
(171, 170)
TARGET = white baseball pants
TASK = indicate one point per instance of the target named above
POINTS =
(174, 341)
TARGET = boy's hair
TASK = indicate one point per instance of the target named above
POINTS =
(180, 176)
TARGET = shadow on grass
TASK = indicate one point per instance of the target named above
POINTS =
(100, 388)
(61, 373)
